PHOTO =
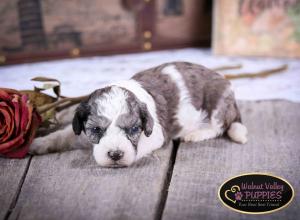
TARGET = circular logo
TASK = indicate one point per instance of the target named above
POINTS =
(256, 193)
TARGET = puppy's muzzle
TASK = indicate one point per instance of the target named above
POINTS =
(115, 155)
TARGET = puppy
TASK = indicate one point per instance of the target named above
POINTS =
(128, 120)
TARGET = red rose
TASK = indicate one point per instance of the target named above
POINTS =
(18, 123)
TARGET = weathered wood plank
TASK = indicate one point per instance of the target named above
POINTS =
(12, 172)
(200, 169)
(71, 186)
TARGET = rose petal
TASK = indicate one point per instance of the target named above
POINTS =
(4, 129)
(30, 114)
(17, 115)
(12, 143)
(25, 113)
(18, 122)
(2, 124)
(7, 112)
(23, 150)
(10, 91)
(4, 95)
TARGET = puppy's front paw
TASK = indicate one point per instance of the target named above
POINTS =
(200, 135)
(38, 147)
(192, 137)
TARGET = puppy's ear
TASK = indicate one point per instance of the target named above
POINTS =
(81, 115)
(147, 120)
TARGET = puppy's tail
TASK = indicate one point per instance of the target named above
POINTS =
(238, 132)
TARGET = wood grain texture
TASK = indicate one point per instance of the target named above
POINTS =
(71, 186)
(11, 174)
(200, 168)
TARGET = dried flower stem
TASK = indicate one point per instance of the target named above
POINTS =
(221, 68)
(260, 74)
(66, 101)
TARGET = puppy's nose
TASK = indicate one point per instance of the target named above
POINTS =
(115, 154)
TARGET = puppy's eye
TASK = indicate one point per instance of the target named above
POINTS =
(133, 130)
(96, 130)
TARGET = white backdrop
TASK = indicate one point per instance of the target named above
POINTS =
(83, 75)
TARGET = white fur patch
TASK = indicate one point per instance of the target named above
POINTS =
(146, 144)
(238, 132)
(114, 139)
(112, 104)
(200, 135)
(215, 123)
(189, 118)
(212, 130)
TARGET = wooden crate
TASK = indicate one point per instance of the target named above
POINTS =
(34, 30)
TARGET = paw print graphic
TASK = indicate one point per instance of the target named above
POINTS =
(238, 196)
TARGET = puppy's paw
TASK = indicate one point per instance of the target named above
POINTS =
(38, 147)
(200, 135)
(192, 137)
(238, 133)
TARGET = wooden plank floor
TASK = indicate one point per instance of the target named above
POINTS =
(12, 174)
(200, 169)
(175, 183)
(71, 186)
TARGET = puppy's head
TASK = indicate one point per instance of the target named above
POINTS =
(113, 119)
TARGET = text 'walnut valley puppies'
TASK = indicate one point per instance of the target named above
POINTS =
(128, 120)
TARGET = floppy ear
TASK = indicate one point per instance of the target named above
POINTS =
(147, 120)
(81, 114)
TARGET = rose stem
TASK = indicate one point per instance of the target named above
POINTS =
(75, 100)
(260, 74)
(220, 68)
(72, 101)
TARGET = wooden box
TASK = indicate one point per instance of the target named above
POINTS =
(34, 30)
